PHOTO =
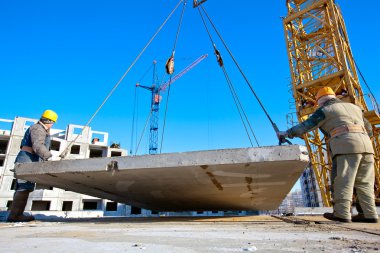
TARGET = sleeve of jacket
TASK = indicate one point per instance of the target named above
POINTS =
(38, 136)
(308, 125)
(368, 127)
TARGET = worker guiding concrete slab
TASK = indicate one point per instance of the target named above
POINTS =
(351, 150)
(34, 147)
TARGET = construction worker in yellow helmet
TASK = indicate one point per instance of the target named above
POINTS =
(34, 147)
(348, 134)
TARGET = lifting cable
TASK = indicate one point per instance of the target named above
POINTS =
(239, 107)
(244, 76)
(376, 105)
(231, 86)
(170, 70)
(133, 120)
(65, 151)
(135, 109)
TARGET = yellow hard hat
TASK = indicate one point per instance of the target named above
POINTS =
(324, 91)
(50, 115)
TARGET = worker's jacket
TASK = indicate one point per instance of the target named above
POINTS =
(38, 138)
(343, 124)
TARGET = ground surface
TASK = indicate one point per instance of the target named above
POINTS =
(167, 234)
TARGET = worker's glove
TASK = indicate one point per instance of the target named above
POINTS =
(63, 154)
(282, 135)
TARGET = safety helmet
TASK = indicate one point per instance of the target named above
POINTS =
(324, 91)
(50, 115)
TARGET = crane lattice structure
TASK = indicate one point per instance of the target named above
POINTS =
(319, 55)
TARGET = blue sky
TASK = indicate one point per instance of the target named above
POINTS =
(68, 55)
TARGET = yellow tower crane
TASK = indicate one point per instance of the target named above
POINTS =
(320, 55)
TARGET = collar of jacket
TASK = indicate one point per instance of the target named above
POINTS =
(332, 101)
(47, 130)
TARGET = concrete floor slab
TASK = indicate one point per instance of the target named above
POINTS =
(229, 179)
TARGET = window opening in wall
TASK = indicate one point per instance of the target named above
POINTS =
(3, 146)
(90, 205)
(97, 138)
(13, 185)
(43, 187)
(135, 210)
(111, 206)
(154, 212)
(2, 160)
(75, 149)
(77, 130)
(9, 203)
(115, 153)
(67, 206)
(39, 205)
(55, 145)
(28, 124)
(199, 212)
(96, 153)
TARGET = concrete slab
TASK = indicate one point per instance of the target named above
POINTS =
(229, 179)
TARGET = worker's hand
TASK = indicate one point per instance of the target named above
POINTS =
(282, 134)
(63, 154)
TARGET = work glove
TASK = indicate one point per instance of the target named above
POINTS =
(282, 135)
(63, 154)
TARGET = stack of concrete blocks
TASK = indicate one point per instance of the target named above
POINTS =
(82, 143)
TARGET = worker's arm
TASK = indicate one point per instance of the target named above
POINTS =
(308, 125)
(38, 136)
(368, 127)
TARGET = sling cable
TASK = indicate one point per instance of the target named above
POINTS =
(65, 152)
(156, 88)
(202, 12)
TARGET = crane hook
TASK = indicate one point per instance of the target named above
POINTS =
(219, 58)
(169, 66)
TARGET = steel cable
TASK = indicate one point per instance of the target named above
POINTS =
(64, 152)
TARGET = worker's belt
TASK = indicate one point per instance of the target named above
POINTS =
(27, 149)
(347, 129)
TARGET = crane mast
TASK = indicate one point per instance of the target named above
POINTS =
(319, 55)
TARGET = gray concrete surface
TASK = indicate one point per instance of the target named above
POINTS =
(188, 235)
(230, 179)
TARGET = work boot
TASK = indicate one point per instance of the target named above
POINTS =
(331, 216)
(360, 218)
(18, 206)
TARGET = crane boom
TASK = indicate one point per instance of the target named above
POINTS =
(184, 71)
